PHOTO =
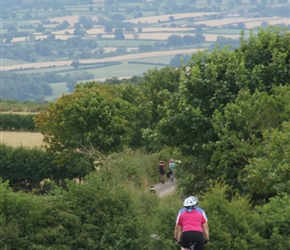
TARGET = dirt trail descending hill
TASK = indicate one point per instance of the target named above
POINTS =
(167, 188)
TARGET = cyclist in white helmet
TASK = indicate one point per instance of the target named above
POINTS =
(191, 225)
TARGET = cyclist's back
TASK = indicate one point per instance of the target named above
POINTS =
(191, 225)
(198, 209)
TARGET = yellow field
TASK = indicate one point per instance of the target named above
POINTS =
(253, 24)
(26, 139)
(162, 18)
(247, 21)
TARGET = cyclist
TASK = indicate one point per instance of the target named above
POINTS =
(171, 166)
(161, 172)
(191, 215)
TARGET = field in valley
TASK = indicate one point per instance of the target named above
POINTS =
(132, 56)
(17, 139)
(151, 28)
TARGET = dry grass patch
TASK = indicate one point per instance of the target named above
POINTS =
(96, 31)
(162, 18)
(17, 139)
(63, 32)
(110, 49)
(144, 36)
(166, 29)
(250, 25)
(213, 37)
(225, 21)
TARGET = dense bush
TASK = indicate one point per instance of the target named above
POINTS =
(26, 168)
(17, 122)
(89, 216)
(100, 215)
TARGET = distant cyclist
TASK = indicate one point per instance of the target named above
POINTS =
(161, 168)
(191, 225)
(171, 166)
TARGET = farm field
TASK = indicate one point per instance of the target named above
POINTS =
(17, 139)
(132, 56)
(61, 39)
(255, 22)
(162, 18)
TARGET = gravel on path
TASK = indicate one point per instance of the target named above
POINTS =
(164, 189)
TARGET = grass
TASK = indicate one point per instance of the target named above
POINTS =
(8, 62)
(58, 89)
(224, 31)
(164, 59)
(44, 70)
(16, 106)
(124, 43)
(121, 70)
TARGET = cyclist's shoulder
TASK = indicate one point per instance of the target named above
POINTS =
(182, 210)
(199, 209)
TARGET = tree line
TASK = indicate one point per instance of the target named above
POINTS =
(36, 87)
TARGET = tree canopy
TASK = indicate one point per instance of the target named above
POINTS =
(92, 117)
(217, 110)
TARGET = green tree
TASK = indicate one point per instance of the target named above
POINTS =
(275, 216)
(157, 87)
(233, 222)
(91, 118)
(269, 173)
(175, 40)
(209, 82)
(119, 34)
(241, 128)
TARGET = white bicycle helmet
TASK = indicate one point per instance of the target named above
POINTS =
(194, 197)
(190, 202)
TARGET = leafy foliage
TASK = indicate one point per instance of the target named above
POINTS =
(18, 122)
(92, 117)
(225, 114)
(269, 174)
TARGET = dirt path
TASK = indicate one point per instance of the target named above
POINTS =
(167, 188)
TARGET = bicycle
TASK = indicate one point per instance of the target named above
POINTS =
(191, 245)
(171, 176)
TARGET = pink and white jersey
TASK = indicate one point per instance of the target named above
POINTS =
(191, 221)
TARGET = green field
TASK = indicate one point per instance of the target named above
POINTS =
(58, 89)
(123, 43)
(122, 70)
(8, 62)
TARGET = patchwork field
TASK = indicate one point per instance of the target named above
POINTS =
(163, 18)
(149, 30)
(25, 139)
(251, 22)
(108, 59)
